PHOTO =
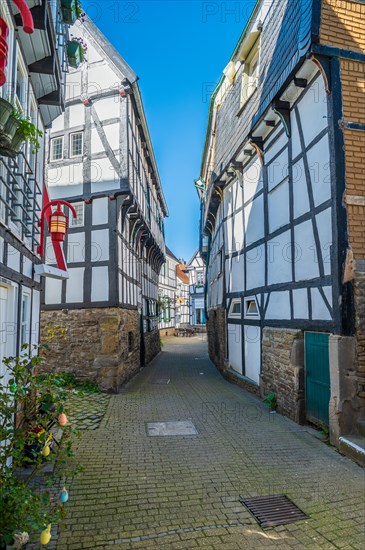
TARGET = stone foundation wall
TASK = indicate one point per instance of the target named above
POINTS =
(217, 337)
(152, 345)
(98, 344)
(359, 295)
(282, 370)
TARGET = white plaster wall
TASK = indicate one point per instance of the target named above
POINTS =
(300, 189)
(300, 303)
(27, 267)
(107, 107)
(278, 170)
(100, 245)
(100, 211)
(53, 291)
(252, 336)
(13, 258)
(235, 347)
(252, 178)
(255, 267)
(236, 277)
(276, 146)
(75, 285)
(278, 201)
(254, 220)
(76, 247)
(77, 115)
(313, 111)
(279, 306)
(324, 225)
(306, 262)
(279, 259)
(319, 308)
(103, 175)
(319, 164)
(99, 284)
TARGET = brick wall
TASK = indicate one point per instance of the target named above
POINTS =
(98, 344)
(343, 24)
(216, 332)
(353, 88)
(282, 370)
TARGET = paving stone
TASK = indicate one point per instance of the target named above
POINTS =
(183, 491)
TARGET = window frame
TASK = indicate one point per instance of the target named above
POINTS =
(72, 155)
(231, 313)
(51, 150)
(72, 222)
(246, 306)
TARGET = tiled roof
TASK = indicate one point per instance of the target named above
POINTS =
(180, 268)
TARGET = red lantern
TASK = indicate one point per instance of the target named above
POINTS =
(58, 225)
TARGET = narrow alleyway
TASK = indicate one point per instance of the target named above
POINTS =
(148, 491)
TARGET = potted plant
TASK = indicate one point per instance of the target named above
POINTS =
(6, 109)
(76, 49)
(17, 130)
(71, 11)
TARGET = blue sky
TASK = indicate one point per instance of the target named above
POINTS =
(178, 49)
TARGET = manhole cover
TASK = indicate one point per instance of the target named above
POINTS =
(183, 427)
(273, 510)
(161, 381)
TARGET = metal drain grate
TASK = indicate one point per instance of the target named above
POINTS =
(273, 510)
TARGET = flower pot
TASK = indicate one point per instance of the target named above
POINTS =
(69, 11)
(75, 54)
(17, 140)
(6, 109)
(10, 128)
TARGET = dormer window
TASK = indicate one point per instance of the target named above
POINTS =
(250, 73)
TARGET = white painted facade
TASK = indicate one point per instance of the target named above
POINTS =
(116, 246)
(196, 270)
(167, 290)
(29, 89)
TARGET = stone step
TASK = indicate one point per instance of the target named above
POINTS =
(361, 427)
(353, 446)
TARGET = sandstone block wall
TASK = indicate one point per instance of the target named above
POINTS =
(282, 370)
(217, 336)
(152, 345)
(98, 344)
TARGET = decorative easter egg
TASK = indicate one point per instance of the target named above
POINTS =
(62, 419)
(46, 535)
(63, 495)
(46, 450)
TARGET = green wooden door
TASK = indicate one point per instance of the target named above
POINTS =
(317, 371)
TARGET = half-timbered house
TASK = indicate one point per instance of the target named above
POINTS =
(182, 296)
(33, 37)
(100, 158)
(167, 294)
(196, 272)
(283, 209)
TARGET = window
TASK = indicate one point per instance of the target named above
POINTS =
(76, 145)
(251, 308)
(56, 149)
(199, 278)
(79, 221)
(235, 309)
(25, 319)
(250, 73)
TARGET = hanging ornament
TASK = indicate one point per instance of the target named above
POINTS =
(46, 450)
(63, 495)
(46, 535)
(62, 419)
